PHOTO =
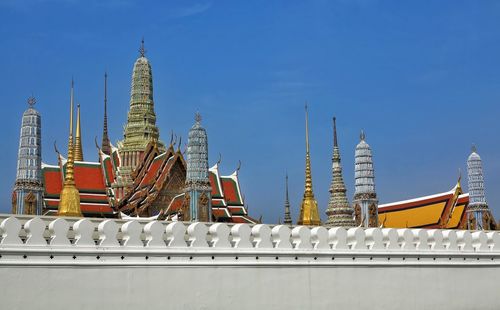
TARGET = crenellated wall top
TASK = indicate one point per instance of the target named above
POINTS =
(43, 240)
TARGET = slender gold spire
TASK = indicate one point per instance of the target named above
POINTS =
(69, 204)
(106, 145)
(309, 214)
(78, 137)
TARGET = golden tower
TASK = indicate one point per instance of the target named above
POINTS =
(309, 214)
(70, 197)
(78, 137)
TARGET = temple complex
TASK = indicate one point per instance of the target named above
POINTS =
(365, 198)
(339, 212)
(309, 214)
(142, 177)
(28, 188)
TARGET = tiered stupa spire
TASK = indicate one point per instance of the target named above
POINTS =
(365, 198)
(477, 210)
(141, 122)
(106, 144)
(198, 187)
(309, 214)
(69, 204)
(28, 189)
(339, 212)
(288, 217)
(78, 137)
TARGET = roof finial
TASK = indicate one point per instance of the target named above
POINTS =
(31, 101)
(197, 117)
(473, 148)
(362, 135)
(335, 144)
(142, 50)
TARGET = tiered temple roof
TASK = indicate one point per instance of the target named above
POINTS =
(91, 179)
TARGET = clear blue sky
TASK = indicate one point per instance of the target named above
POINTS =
(422, 78)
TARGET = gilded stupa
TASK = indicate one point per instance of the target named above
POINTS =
(309, 214)
(70, 197)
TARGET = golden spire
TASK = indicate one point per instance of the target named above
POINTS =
(69, 204)
(78, 137)
(309, 214)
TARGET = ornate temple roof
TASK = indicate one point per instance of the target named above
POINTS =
(443, 210)
(90, 181)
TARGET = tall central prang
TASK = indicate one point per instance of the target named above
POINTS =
(141, 122)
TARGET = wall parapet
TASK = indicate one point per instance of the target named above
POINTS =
(66, 241)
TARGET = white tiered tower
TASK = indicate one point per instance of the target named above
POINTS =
(28, 189)
(198, 186)
(477, 199)
(365, 198)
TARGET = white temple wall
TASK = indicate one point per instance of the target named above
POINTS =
(50, 263)
(246, 287)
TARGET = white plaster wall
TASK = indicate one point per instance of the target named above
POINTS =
(250, 287)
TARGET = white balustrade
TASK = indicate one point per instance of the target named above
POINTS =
(220, 235)
(34, 231)
(301, 238)
(480, 241)
(374, 239)
(435, 239)
(421, 239)
(356, 238)
(337, 238)
(241, 236)
(494, 241)
(406, 239)
(175, 235)
(10, 228)
(391, 239)
(281, 237)
(61, 234)
(154, 234)
(319, 238)
(132, 234)
(450, 240)
(197, 235)
(107, 234)
(464, 240)
(262, 236)
(84, 230)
